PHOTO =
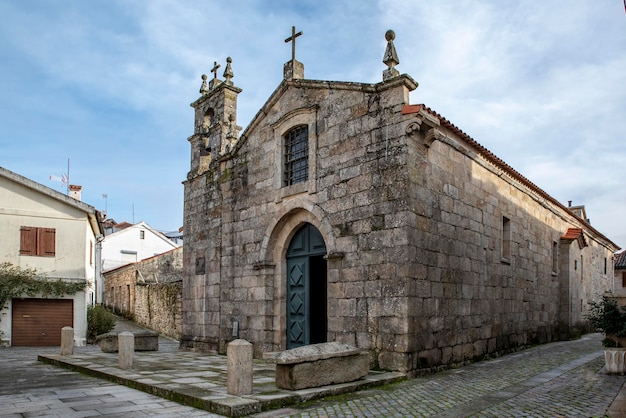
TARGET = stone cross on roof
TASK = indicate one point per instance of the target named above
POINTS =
(214, 81)
(214, 69)
(292, 39)
(293, 69)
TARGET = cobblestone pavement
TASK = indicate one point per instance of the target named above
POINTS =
(564, 379)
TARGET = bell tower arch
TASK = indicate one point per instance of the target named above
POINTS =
(215, 127)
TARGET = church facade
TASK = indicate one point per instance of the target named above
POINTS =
(345, 213)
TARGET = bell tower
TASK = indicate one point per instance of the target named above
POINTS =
(215, 126)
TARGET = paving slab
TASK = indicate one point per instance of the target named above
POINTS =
(200, 380)
(561, 379)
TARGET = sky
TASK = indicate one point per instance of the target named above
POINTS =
(106, 85)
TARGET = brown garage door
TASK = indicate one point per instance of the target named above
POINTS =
(38, 322)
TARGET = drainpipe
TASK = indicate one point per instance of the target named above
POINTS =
(98, 272)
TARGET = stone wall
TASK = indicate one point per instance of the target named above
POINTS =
(238, 215)
(438, 253)
(150, 291)
(473, 294)
(119, 289)
(158, 307)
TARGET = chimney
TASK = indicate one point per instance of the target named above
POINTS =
(75, 191)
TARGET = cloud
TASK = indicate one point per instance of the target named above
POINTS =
(539, 84)
(108, 83)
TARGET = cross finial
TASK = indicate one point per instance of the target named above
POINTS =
(292, 39)
(214, 69)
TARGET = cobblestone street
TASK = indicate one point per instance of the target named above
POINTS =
(563, 379)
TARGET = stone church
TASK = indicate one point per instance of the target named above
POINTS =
(343, 212)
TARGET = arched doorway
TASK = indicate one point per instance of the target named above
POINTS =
(306, 288)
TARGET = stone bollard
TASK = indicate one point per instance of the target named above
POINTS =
(239, 358)
(126, 349)
(67, 341)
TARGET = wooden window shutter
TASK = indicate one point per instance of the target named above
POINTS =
(46, 239)
(28, 240)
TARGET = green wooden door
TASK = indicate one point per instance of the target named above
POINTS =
(306, 288)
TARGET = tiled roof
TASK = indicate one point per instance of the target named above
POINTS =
(492, 158)
(572, 233)
(575, 234)
(620, 260)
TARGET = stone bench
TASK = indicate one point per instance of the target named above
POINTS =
(321, 364)
(144, 341)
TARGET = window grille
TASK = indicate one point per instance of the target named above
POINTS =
(296, 156)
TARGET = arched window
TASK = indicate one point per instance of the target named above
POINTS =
(207, 119)
(296, 155)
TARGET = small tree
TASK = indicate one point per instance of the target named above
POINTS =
(610, 319)
(99, 321)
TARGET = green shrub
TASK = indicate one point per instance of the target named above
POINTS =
(610, 318)
(99, 321)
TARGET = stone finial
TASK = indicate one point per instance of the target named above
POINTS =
(228, 72)
(204, 88)
(391, 57)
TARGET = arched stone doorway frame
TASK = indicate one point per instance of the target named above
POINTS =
(291, 216)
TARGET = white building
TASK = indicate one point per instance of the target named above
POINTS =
(133, 243)
(55, 234)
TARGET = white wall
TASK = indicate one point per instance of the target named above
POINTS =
(126, 246)
(24, 206)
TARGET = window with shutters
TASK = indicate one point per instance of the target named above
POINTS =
(37, 241)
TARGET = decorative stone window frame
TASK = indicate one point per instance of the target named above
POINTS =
(298, 117)
(296, 155)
